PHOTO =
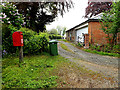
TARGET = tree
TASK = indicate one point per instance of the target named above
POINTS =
(111, 22)
(95, 8)
(38, 14)
(64, 31)
(53, 31)
(10, 15)
(61, 30)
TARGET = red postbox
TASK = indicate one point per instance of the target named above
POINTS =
(17, 38)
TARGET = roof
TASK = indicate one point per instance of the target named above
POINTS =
(89, 20)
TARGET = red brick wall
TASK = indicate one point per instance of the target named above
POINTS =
(118, 38)
(96, 35)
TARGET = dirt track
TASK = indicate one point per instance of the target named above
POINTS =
(105, 65)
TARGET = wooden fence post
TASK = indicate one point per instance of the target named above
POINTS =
(20, 54)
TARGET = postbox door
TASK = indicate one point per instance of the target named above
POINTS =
(21, 39)
(17, 39)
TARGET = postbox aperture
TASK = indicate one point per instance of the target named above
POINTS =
(17, 38)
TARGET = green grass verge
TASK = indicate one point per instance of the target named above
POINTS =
(65, 47)
(63, 40)
(102, 53)
(89, 50)
(35, 72)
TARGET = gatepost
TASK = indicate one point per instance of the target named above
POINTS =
(86, 40)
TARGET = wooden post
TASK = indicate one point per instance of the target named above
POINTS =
(20, 54)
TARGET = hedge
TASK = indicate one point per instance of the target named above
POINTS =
(33, 42)
(52, 36)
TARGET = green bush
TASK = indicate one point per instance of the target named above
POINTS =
(33, 42)
(7, 43)
(36, 44)
(98, 48)
(52, 36)
(80, 45)
(116, 49)
(107, 48)
(93, 47)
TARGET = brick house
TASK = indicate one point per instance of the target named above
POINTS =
(92, 27)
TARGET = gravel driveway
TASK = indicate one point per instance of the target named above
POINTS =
(106, 65)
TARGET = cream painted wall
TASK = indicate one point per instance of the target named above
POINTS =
(79, 33)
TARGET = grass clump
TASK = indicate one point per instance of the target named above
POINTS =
(65, 47)
(34, 72)
(102, 53)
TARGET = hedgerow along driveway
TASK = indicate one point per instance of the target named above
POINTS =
(105, 65)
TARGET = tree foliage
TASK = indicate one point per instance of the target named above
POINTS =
(111, 22)
(53, 31)
(64, 30)
(38, 14)
(10, 15)
(61, 30)
(95, 8)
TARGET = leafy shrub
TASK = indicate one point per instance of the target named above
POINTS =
(107, 48)
(93, 47)
(27, 33)
(116, 49)
(33, 42)
(36, 44)
(52, 36)
(7, 43)
(80, 45)
(98, 48)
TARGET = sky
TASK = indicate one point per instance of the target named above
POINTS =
(71, 18)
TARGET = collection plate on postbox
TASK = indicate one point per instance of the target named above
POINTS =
(17, 38)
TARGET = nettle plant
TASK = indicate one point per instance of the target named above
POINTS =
(9, 15)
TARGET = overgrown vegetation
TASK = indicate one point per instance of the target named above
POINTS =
(35, 72)
(102, 53)
(104, 50)
(52, 36)
(110, 23)
(80, 45)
